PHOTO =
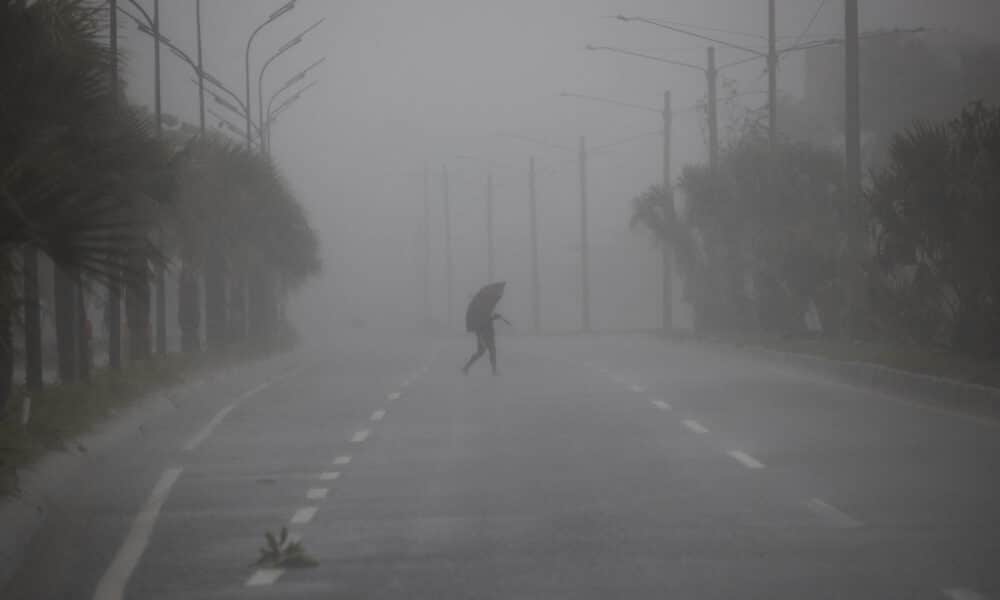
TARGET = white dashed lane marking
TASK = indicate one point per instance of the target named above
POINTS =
(694, 426)
(394, 396)
(638, 389)
(660, 404)
(378, 415)
(317, 493)
(746, 460)
(831, 514)
(342, 460)
(264, 577)
(303, 515)
(360, 436)
(329, 475)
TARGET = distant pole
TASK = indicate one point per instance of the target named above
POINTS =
(772, 77)
(490, 248)
(668, 271)
(114, 287)
(161, 271)
(156, 67)
(427, 247)
(713, 112)
(201, 74)
(535, 283)
(449, 259)
(852, 152)
(584, 260)
(852, 101)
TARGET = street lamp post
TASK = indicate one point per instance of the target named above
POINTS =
(139, 337)
(668, 217)
(285, 9)
(711, 76)
(535, 282)
(260, 78)
(449, 259)
(271, 115)
(584, 259)
(201, 71)
(666, 114)
(581, 153)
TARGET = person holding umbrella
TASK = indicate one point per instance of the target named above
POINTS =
(479, 318)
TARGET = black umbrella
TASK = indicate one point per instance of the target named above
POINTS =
(480, 311)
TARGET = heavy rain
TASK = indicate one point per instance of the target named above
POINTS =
(499, 299)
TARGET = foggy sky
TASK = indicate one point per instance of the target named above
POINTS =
(409, 84)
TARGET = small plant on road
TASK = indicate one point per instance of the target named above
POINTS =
(282, 552)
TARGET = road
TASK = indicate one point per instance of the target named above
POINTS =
(592, 467)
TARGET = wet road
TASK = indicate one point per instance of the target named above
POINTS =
(603, 467)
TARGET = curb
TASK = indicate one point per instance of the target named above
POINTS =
(975, 400)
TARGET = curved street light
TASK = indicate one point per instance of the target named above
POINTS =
(240, 108)
(273, 116)
(295, 41)
(292, 81)
(285, 9)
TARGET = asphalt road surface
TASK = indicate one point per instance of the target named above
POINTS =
(592, 467)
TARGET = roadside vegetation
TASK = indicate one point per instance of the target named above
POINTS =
(772, 251)
(103, 210)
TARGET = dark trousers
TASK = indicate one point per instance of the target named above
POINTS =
(485, 340)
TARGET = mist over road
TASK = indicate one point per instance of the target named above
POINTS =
(593, 467)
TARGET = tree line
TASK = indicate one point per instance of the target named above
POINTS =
(89, 188)
(770, 236)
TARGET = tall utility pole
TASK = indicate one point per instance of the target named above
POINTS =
(201, 73)
(584, 259)
(852, 151)
(713, 111)
(156, 67)
(852, 101)
(161, 271)
(490, 249)
(535, 283)
(668, 214)
(114, 287)
(449, 260)
(427, 247)
(772, 77)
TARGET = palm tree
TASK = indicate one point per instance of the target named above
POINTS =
(76, 173)
(238, 222)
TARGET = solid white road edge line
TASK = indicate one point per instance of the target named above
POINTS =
(206, 431)
(746, 460)
(831, 514)
(360, 436)
(694, 426)
(112, 583)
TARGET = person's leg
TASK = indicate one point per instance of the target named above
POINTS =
(480, 349)
(491, 345)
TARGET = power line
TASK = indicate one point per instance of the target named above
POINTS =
(819, 9)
